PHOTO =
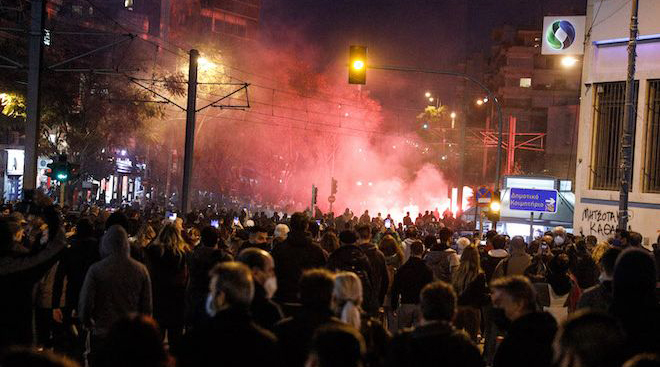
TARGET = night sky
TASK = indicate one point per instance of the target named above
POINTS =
(433, 34)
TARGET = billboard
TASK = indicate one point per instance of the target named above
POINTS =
(563, 35)
(15, 160)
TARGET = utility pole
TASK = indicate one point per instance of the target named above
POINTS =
(35, 51)
(629, 119)
(190, 131)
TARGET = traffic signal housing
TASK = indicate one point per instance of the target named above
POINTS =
(333, 188)
(357, 65)
(61, 170)
(315, 192)
(493, 213)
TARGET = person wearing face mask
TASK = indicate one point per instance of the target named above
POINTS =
(559, 234)
(265, 312)
(231, 328)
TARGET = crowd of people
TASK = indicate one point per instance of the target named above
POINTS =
(99, 287)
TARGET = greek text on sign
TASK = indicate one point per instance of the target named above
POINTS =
(533, 200)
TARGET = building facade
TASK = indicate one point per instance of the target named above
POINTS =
(601, 121)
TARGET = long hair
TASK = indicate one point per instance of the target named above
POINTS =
(468, 270)
(348, 295)
(170, 238)
(390, 247)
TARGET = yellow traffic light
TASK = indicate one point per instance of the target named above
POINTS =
(495, 206)
(357, 71)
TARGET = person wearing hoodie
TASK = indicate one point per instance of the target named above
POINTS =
(296, 254)
(377, 261)
(442, 260)
(516, 262)
(114, 287)
(494, 256)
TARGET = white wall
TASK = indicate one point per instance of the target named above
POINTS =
(596, 210)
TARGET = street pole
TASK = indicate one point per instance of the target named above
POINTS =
(629, 118)
(190, 131)
(461, 172)
(499, 142)
(35, 53)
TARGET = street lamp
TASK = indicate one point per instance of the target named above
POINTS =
(427, 94)
(431, 99)
(568, 61)
(453, 119)
(480, 102)
(453, 115)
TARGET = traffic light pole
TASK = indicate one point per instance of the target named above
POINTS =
(190, 131)
(491, 96)
(34, 82)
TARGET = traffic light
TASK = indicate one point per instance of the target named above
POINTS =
(493, 213)
(357, 65)
(315, 192)
(61, 170)
(333, 189)
(425, 126)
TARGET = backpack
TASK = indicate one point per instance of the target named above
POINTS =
(356, 265)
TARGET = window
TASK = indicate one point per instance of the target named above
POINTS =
(525, 82)
(609, 106)
(651, 172)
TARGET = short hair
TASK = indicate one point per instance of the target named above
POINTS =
(430, 241)
(254, 257)
(499, 241)
(517, 287)
(337, 345)
(117, 218)
(463, 242)
(347, 237)
(559, 230)
(416, 248)
(608, 260)
(518, 243)
(444, 234)
(595, 338)
(438, 301)
(299, 222)
(316, 287)
(635, 239)
(491, 234)
(209, 236)
(134, 340)
(256, 229)
(363, 231)
(234, 279)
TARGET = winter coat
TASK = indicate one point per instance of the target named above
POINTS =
(168, 270)
(229, 339)
(379, 267)
(18, 275)
(441, 263)
(114, 288)
(528, 342)
(295, 255)
(352, 258)
(433, 344)
(409, 281)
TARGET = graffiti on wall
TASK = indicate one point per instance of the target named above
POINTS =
(600, 222)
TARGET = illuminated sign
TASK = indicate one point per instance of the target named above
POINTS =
(563, 36)
(15, 161)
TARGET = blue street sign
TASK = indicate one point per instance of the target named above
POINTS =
(484, 195)
(533, 200)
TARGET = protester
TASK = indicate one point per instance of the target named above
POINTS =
(434, 341)
(634, 301)
(20, 271)
(589, 339)
(168, 269)
(135, 341)
(600, 296)
(469, 283)
(350, 257)
(441, 259)
(295, 333)
(113, 288)
(265, 312)
(517, 261)
(494, 256)
(225, 337)
(347, 298)
(202, 259)
(559, 296)
(336, 346)
(258, 237)
(528, 341)
(294, 256)
(408, 282)
(376, 260)
(22, 357)
(280, 234)
(329, 242)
